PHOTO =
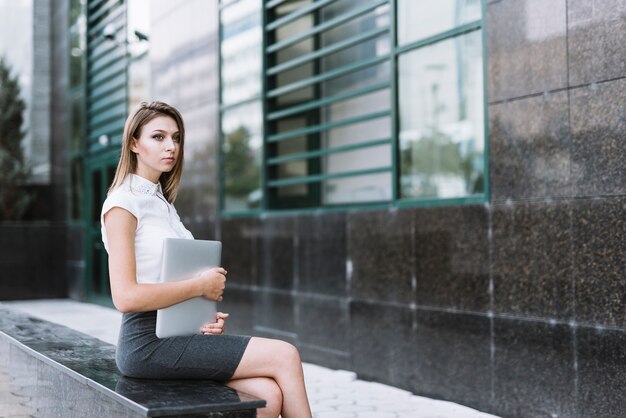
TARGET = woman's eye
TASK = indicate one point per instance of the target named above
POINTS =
(158, 137)
(176, 138)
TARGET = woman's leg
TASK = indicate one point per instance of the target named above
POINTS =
(264, 388)
(280, 361)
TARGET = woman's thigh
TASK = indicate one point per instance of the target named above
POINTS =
(265, 357)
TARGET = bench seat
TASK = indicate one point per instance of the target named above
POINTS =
(56, 371)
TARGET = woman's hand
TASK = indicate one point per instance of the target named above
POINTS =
(213, 283)
(217, 327)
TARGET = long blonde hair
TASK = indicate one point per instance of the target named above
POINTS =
(132, 131)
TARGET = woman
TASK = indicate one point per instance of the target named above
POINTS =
(136, 216)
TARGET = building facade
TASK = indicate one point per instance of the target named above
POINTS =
(430, 195)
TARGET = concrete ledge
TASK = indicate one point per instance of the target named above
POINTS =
(57, 371)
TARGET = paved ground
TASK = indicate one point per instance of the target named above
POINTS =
(333, 393)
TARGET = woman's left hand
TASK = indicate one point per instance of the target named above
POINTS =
(217, 327)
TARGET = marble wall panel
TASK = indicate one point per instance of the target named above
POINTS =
(239, 303)
(527, 47)
(324, 322)
(598, 124)
(380, 338)
(277, 261)
(530, 146)
(601, 372)
(600, 262)
(274, 314)
(532, 260)
(451, 358)
(381, 253)
(322, 253)
(451, 256)
(596, 37)
(240, 243)
(534, 371)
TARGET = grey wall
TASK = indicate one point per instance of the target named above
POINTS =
(516, 307)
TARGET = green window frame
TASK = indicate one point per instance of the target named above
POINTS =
(297, 98)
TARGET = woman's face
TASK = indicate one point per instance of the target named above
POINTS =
(157, 148)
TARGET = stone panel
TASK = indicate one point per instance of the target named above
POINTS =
(530, 145)
(600, 261)
(527, 47)
(532, 260)
(534, 371)
(451, 255)
(381, 253)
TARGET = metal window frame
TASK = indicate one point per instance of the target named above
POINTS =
(268, 93)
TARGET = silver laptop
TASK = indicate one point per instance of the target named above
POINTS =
(183, 259)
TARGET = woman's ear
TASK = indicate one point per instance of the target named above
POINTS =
(133, 145)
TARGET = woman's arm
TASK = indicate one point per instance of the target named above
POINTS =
(130, 296)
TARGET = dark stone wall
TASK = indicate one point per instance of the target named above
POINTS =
(515, 307)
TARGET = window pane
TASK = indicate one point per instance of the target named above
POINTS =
(419, 19)
(441, 119)
(138, 33)
(358, 189)
(242, 153)
(241, 51)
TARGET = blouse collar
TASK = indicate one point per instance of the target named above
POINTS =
(144, 186)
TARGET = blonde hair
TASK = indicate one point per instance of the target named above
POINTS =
(132, 131)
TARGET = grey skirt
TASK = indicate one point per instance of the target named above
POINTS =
(141, 354)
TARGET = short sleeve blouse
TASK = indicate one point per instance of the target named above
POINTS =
(157, 219)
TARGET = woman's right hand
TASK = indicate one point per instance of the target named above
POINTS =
(213, 283)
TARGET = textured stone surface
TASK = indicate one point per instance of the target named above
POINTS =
(598, 123)
(240, 243)
(534, 373)
(600, 261)
(532, 260)
(527, 45)
(450, 358)
(451, 256)
(277, 253)
(596, 37)
(380, 250)
(322, 251)
(601, 364)
(530, 145)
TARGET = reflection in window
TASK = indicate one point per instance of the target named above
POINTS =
(441, 119)
(242, 153)
(138, 33)
(242, 121)
(419, 19)
(241, 51)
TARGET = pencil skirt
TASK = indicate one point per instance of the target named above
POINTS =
(141, 354)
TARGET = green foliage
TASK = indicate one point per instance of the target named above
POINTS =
(241, 170)
(14, 199)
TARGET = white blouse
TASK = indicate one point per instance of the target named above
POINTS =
(157, 219)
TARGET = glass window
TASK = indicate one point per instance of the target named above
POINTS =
(138, 36)
(441, 119)
(419, 19)
(241, 117)
(242, 154)
(334, 150)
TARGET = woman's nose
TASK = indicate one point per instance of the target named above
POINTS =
(169, 144)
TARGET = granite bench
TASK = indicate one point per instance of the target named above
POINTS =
(48, 370)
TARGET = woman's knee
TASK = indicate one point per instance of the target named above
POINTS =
(273, 394)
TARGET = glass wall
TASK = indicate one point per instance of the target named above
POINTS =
(440, 95)
(329, 103)
(363, 102)
(241, 106)
(76, 96)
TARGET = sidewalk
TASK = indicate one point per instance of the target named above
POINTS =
(332, 393)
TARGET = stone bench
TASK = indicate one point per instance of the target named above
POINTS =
(48, 370)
